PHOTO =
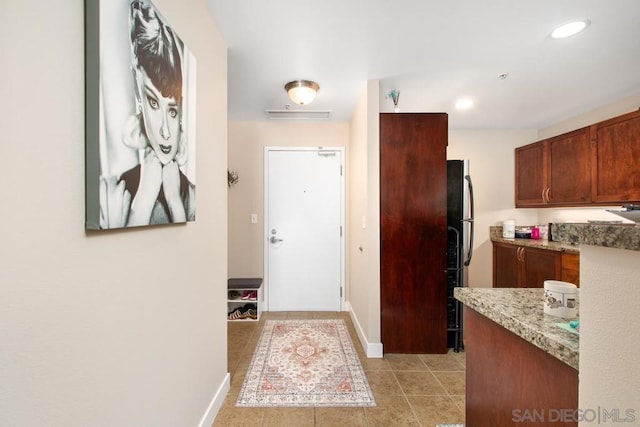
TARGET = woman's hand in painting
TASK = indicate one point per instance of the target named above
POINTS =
(115, 202)
(171, 189)
(148, 189)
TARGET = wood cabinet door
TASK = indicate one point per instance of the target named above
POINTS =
(541, 265)
(570, 169)
(571, 268)
(506, 265)
(413, 232)
(615, 159)
(531, 174)
(505, 374)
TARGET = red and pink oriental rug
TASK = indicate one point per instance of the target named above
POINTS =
(305, 363)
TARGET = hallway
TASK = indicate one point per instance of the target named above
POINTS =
(410, 390)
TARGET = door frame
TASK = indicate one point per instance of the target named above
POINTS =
(265, 210)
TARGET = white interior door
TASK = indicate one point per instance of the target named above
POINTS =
(303, 229)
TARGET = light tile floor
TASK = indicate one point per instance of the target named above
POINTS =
(410, 389)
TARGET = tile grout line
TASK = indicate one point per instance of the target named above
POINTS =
(404, 394)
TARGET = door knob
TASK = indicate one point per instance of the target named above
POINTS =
(274, 239)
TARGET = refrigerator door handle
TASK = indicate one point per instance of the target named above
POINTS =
(470, 221)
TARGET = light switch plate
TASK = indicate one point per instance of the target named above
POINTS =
(254, 218)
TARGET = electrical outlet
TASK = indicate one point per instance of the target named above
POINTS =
(254, 218)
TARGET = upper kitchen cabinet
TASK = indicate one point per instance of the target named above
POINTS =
(531, 174)
(594, 165)
(615, 159)
(570, 169)
(554, 171)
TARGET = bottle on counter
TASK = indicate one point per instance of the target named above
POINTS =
(535, 232)
(509, 229)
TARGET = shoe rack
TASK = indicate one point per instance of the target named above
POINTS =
(244, 299)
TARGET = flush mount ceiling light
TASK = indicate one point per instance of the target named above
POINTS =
(302, 92)
(569, 29)
(464, 103)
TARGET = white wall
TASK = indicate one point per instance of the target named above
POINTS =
(246, 156)
(119, 328)
(364, 220)
(609, 335)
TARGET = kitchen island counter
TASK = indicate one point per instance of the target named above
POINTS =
(518, 359)
(520, 311)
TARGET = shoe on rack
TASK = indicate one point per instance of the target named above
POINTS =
(249, 306)
(247, 295)
(235, 315)
(234, 295)
(253, 295)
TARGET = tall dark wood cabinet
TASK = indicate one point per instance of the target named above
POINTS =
(413, 232)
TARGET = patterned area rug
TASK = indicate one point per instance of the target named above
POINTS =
(305, 363)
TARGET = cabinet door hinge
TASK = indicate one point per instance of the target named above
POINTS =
(340, 231)
(340, 291)
(340, 170)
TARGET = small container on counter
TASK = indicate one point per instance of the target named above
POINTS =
(509, 229)
(544, 231)
(535, 232)
(560, 299)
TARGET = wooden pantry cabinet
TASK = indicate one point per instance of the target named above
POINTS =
(517, 266)
(413, 232)
(594, 165)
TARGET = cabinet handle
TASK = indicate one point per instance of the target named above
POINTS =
(520, 254)
(547, 194)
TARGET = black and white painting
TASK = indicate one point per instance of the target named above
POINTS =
(140, 118)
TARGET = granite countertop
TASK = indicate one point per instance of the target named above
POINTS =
(495, 233)
(620, 236)
(520, 310)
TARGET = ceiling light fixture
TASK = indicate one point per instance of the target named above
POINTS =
(569, 29)
(302, 92)
(464, 103)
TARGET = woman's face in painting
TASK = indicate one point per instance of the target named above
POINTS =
(161, 119)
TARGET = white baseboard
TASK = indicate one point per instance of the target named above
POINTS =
(216, 402)
(373, 350)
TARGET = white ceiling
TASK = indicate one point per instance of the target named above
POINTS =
(433, 52)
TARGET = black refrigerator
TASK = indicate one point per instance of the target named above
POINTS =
(460, 230)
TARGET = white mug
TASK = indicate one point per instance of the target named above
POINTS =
(560, 299)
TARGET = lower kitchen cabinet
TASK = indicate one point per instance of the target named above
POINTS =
(509, 379)
(517, 266)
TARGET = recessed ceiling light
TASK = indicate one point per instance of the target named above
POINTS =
(464, 103)
(569, 29)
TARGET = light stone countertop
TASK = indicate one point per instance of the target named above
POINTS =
(520, 310)
(495, 233)
(621, 236)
